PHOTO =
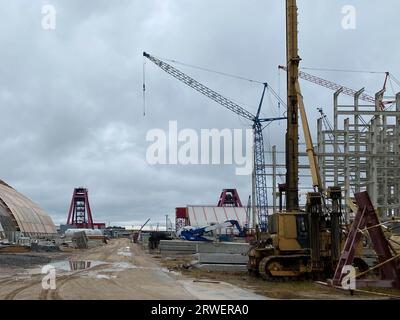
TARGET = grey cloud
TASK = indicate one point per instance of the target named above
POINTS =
(71, 99)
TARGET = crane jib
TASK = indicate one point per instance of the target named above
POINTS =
(259, 160)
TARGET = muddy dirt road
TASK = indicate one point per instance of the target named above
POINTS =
(118, 270)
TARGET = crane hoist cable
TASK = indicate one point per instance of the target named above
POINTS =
(391, 85)
(144, 86)
(394, 79)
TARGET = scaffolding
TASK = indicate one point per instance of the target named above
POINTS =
(361, 151)
(276, 172)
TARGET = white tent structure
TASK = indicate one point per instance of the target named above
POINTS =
(18, 214)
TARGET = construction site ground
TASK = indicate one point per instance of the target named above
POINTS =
(123, 270)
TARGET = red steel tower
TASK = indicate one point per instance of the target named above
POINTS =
(80, 214)
(229, 198)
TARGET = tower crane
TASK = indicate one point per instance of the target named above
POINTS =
(334, 86)
(259, 161)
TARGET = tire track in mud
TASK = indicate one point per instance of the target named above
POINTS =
(110, 254)
(48, 294)
(15, 292)
(6, 281)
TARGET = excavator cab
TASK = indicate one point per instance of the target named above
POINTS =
(289, 231)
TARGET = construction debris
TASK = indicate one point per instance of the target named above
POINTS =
(80, 240)
(14, 249)
(44, 246)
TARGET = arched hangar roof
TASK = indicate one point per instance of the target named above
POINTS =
(25, 215)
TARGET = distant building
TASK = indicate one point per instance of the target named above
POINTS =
(116, 232)
(147, 228)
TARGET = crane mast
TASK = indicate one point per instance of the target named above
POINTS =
(292, 136)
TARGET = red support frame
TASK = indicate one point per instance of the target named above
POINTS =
(229, 198)
(366, 218)
(80, 213)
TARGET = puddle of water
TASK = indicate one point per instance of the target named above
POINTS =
(75, 265)
(171, 271)
(126, 252)
(120, 266)
(103, 276)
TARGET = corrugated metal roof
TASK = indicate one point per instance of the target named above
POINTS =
(6, 220)
(28, 215)
(206, 215)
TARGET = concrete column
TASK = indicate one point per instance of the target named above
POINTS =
(274, 179)
(335, 136)
(397, 156)
(321, 151)
(357, 140)
(346, 165)
(383, 152)
(373, 185)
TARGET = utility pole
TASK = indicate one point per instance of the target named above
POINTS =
(292, 136)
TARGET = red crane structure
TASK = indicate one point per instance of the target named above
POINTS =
(229, 198)
(334, 86)
(80, 214)
(367, 220)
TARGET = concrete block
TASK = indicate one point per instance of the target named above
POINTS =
(167, 253)
(234, 268)
(179, 249)
(183, 243)
(191, 247)
(223, 247)
(178, 245)
(222, 258)
(172, 248)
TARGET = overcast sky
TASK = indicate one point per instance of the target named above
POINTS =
(71, 98)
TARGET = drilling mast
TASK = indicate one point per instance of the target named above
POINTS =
(292, 136)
